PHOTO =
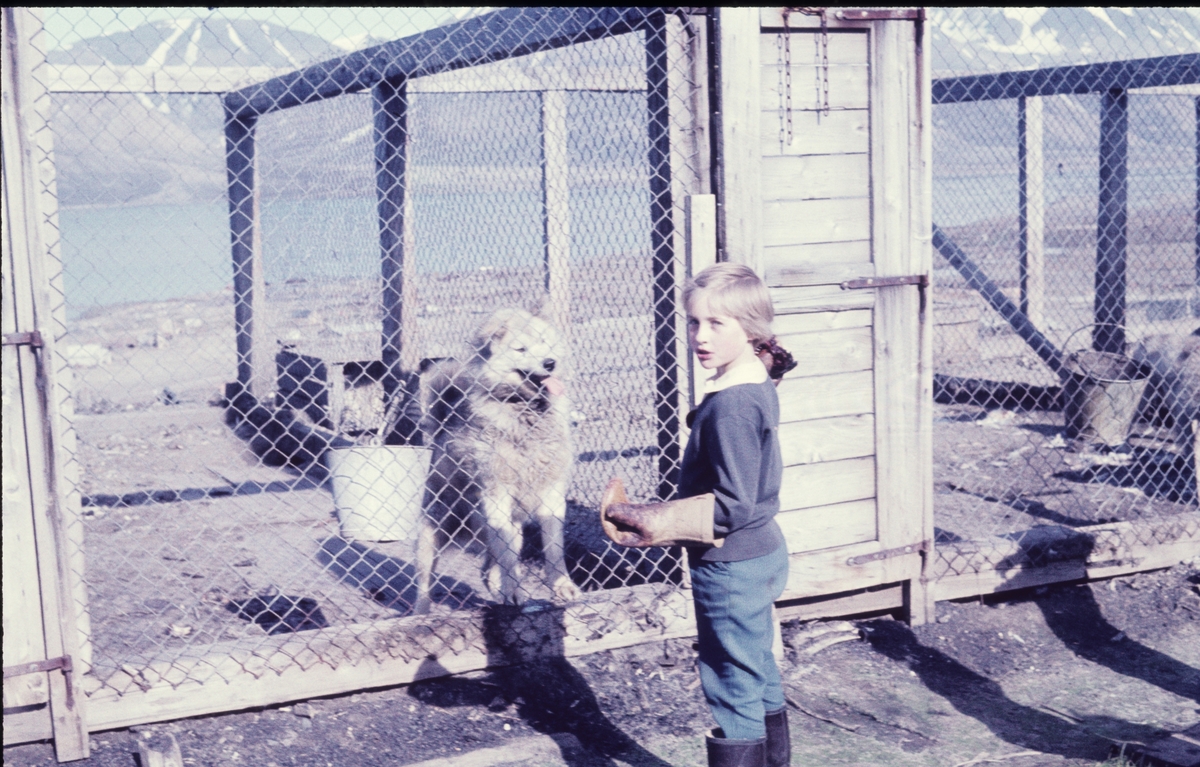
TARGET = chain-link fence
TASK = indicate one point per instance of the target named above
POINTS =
(367, 431)
(1067, 274)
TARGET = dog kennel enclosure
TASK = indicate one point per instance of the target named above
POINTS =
(361, 210)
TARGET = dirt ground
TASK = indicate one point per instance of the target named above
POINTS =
(1061, 675)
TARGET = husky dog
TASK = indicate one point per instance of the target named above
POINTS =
(1174, 363)
(499, 427)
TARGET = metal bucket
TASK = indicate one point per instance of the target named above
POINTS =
(378, 490)
(1101, 396)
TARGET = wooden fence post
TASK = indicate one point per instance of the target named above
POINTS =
(1032, 220)
(243, 221)
(663, 277)
(1111, 220)
(395, 231)
(701, 214)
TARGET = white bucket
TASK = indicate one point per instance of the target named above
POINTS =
(378, 490)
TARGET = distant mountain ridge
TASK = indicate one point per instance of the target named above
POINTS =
(989, 39)
(212, 42)
(148, 149)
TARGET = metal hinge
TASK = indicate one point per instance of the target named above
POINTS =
(30, 338)
(889, 553)
(881, 14)
(920, 280)
(38, 665)
(50, 664)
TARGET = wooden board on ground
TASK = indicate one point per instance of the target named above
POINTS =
(388, 652)
(969, 568)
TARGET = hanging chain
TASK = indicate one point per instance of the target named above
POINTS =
(784, 45)
(821, 57)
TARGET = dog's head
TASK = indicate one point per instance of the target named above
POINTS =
(520, 352)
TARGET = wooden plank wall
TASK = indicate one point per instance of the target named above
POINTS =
(816, 231)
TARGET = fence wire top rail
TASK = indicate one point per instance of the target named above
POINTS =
(484, 39)
(1084, 78)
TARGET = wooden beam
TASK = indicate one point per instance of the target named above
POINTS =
(391, 188)
(688, 139)
(978, 280)
(556, 212)
(379, 654)
(1056, 554)
(1196, 290)
(662, 248)
(239, 165)
(870, 600)
(1112, 218)
(505, 76)
(701, 213)
(29, 303)
(739, 192)
(492, 37)
(920, 602)
(1032, 209)
(899, 461)
(1084, 78)
(27, 725)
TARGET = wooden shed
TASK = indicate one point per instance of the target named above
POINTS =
(823, 186)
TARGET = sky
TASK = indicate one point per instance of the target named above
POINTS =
(341, 26)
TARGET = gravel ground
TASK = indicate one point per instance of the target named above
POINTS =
(1060, 675)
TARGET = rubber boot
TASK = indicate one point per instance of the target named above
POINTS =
(779, 739)
(727, 752)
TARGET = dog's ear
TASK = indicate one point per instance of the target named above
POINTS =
(493, 329)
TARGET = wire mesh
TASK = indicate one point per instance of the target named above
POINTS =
(280, 458)
(1067, 275)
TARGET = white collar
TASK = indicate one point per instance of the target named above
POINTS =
(751, 371)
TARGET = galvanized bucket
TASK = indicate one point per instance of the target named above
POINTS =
(1101, 396)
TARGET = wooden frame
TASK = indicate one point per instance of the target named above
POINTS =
(493, 37)
(31, 310)
(1083, 78)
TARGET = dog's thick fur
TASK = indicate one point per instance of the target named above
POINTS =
(501, 453)
(1174, 389)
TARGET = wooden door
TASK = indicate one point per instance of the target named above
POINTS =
(839, 153)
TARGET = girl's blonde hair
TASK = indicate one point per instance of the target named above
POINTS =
(734, 290)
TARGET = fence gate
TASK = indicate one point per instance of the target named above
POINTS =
(382, 201)
(824, 188)
(41, 684)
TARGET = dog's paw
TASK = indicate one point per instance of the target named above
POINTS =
(566, 590)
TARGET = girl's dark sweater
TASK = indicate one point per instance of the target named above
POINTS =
(733, 452)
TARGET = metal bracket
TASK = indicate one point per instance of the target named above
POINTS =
(31, 338)
(22, 669)
(63, 662)
(881, 14)
(921, 547)
(920, 280)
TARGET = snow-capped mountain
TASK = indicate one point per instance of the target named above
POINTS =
(154, 148)
(211, 42)
(989, 39)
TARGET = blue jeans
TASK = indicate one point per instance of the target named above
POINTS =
(733, 617)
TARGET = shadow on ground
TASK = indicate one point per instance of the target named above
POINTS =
(984, 700)
(530, 674)
(1076, 619)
